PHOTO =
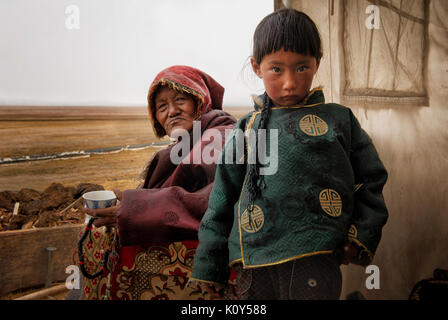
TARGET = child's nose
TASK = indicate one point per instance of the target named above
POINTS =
(289, 81)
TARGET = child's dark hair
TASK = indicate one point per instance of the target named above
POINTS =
(290, 30)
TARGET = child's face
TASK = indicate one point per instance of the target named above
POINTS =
(174, 110)
(287, 76)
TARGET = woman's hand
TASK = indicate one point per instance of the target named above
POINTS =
(105, 216)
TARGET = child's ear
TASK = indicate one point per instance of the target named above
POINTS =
(256, 67)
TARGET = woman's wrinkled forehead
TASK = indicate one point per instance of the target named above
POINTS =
(163, 90)
(207, 91)
(172, 87)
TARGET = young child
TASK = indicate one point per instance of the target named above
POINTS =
(286, 234)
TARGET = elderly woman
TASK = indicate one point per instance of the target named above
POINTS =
(157, 224)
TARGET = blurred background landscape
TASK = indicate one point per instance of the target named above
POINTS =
(54, 130)
(75, 75)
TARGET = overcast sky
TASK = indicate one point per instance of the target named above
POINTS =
(120, 46)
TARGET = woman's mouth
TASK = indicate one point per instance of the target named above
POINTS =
(174, 121)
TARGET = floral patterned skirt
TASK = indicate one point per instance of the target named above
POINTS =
(151, 272)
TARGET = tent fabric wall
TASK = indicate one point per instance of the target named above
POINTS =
(412, 141)
(387, 64)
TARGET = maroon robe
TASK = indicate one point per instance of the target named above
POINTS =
(174, 198)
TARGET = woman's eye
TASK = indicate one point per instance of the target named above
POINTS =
(161, 107)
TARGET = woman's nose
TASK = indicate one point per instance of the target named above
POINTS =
(173, 109)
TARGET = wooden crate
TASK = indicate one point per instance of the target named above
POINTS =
(23, 257)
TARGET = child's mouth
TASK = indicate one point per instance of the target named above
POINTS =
(290, 99)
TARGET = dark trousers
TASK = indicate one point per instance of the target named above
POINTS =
(316, 277)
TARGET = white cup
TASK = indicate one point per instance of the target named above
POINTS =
(98, 199)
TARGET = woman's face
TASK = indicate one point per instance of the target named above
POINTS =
(174, 110)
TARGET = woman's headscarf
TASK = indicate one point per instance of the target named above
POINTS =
(207, 93)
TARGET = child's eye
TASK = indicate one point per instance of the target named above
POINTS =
(276, 69)
(302, 68)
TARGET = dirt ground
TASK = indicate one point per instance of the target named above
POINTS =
(55, 136)
(119, 171)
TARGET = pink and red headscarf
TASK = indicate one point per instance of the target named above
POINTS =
(205, 90)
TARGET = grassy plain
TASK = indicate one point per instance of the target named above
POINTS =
(49, 130)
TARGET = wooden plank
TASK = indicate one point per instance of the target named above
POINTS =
(44, 293)
(23, 257)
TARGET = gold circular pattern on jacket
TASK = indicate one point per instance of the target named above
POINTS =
(313, 125)
(331, 202)
(252, 221)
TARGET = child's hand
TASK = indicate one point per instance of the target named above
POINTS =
(352, 254)
(351, 251)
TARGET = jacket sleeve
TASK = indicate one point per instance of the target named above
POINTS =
(370, 212)
(212, 255)
(158, 215)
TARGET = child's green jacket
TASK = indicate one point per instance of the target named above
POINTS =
(323, 185)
